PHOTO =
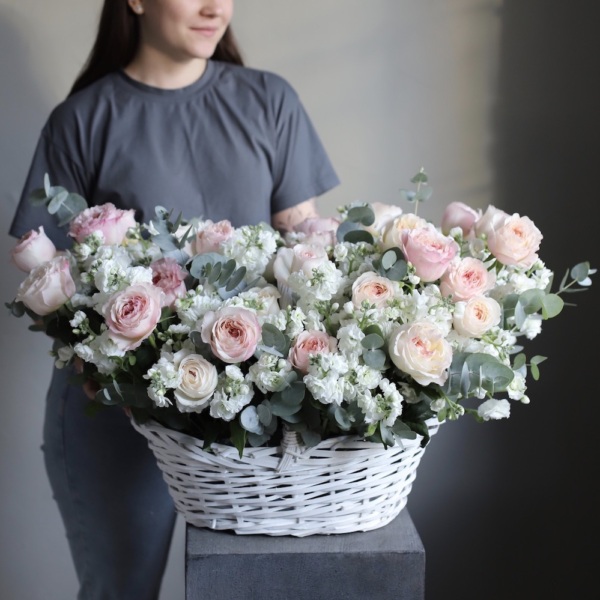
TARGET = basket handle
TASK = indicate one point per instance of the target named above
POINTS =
(291, 450)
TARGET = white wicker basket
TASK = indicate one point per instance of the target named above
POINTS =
(341, 485)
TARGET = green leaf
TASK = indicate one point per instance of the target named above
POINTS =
(274, 338)
(397, 272)
(357, 236)
(226, 272)
(519, 361)
(361, 214)
(38, 197)
(265, 415)
(236, 279)
(552, 305)
(376, 359)
(420, 177)
(310, 438)
(250, 421)
(387, 435)
(372, 341)
(57, 201)
(388, 260)
(342, 418)
(580, 271)
(531, 301)
(214, 273)
(344, 228)
(238, 437)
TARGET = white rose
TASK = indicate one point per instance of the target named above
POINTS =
(421, 350)
(198, 383)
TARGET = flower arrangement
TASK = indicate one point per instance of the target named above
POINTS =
(367, 324)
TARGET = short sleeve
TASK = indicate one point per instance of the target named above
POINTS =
(62, 171)
(302, 169)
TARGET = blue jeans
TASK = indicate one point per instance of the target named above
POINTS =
(114, 502)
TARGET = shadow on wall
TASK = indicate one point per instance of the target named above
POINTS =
(534, 532)
(30, 525)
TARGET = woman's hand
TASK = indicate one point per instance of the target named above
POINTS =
(286, 220)
(90, 387)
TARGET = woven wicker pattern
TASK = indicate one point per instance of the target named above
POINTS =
(341, 485)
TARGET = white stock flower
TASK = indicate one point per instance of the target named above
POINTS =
(494, 409)
(517, 388)
(269, 373)
(232, 394)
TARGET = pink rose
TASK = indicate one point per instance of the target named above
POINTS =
(170, 278)
(308, 343)
(515, 242)
(33, 249)
(48, 286)
(458, 214)
(491, 219)
(421, 351)
(476, 316)
(375, 289)
(465, 278)
(107, 219)
(319, 230)
(212, 236)
(307, 257)
(429, 251)
(392, 233)
(132, 314)
(232, 332)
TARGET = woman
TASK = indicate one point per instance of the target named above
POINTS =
(163, 113)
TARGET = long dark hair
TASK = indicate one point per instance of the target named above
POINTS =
(117, 41)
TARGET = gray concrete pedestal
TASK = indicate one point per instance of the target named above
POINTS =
(388, 562)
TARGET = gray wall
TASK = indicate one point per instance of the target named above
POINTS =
(492, 101)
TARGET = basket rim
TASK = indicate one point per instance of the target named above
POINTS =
(217, 448)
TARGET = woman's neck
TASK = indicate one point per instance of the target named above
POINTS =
(154, 69)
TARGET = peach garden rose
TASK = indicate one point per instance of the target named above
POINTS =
(32, 249)
(421, 350)
(48, 286)
(308, 343)
(112, 222)
(232, 332)
(132, 314)
(465, 278)
(374, 288)
(429, 251)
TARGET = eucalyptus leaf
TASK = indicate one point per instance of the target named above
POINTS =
(310, 438)
(236, 279)
(398, 272)
(57, 201)
(362, 214)
(357, 236)
(274, 338)
(388, 260)
(249, 420)
(226, 272)
(265, 415)
(344, 228)
(420, 177)
(376, 359)
(342, 418)
(38, 197)
(552, 305)
(372, 341)
(238, 437)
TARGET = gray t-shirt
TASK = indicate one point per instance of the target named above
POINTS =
(237, 144)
